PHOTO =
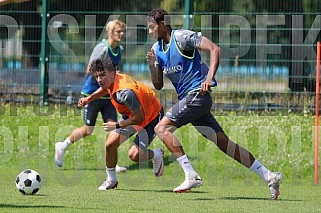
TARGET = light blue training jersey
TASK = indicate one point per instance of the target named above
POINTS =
(186, 73)
(102, 50)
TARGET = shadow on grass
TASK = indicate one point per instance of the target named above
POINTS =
(229, 198)
(161, 191)
(200, 199)
(35, 195)
(256, 198)
(27, 206)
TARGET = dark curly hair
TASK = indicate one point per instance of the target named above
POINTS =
(102, 64)
(158, 15)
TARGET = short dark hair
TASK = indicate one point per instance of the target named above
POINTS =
(158, 15)
(102, 64)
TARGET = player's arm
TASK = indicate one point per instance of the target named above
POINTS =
(188, 40)
(157, 77)
(128, 98)
(155, 70)
(138, 117)
(95, 95)
(214, 51)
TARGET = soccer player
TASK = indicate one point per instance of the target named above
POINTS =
(109, 48)
(176, 54)
(141, 111)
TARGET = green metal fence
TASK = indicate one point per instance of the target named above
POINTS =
(268, 47)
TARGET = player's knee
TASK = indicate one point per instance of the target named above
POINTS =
(88, 131)
(133, 154)
(163, 132)
(156, 129)
(160, 130)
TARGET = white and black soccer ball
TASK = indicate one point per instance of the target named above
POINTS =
(28, 182)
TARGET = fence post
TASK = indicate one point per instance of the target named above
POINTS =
(44, 79)
(188, 12)
(317, 99)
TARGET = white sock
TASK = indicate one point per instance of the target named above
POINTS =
(111, 174)
(66, 143)
(187, 167)
(157, 153)
(261, 170)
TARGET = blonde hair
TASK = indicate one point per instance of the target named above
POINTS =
(111, 25)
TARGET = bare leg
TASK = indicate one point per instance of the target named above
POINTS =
(138, 155)
(230, 148)
(164, 130)
(77, 134)
(81, 132)
(233, 150)
(112, 143)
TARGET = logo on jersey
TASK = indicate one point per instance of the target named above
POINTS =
(171, 70)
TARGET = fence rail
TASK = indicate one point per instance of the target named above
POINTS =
(267, 47)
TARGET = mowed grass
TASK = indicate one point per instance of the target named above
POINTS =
(152, 196)
(281, 143)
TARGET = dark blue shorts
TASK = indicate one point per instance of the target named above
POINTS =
(144, 137)
(104, 106)
(195, 108)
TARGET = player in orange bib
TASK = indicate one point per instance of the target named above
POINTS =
(141, 110)
(149, 102)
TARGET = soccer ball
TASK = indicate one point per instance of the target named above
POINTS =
(28, 182)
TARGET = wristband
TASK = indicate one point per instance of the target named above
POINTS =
(117, 125)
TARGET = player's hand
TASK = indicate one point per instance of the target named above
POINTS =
(109, 126)
(151, 57)
(83, 102)
(205, 86)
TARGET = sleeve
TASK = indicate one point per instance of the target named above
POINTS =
(187, 39)
(128, 98)
(98, 52)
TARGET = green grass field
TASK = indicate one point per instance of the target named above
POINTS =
(281, 143)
